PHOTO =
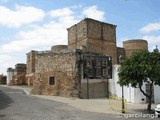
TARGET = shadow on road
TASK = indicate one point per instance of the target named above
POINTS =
(5, 100)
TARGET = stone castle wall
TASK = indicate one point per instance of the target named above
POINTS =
(31, 62)
(62, 61)
(17, 76)
(77, 35)
(95, 37)
(20, 74)
(3, 79)
(62, 67)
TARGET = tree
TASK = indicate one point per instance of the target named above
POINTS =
(141, 68)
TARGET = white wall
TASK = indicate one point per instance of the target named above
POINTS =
(114, 87)
(132, 95)
(138, 95)
(9, 76)
(157, 94)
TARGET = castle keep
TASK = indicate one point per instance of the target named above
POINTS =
(94, 36)
(60, 70)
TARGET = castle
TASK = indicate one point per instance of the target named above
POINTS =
(60, 71)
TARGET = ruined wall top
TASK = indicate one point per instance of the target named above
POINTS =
(135, 41)
(58, 47)
(10, 69)
(135, 44)
(92, 20)
(20, 67)
(79, 33)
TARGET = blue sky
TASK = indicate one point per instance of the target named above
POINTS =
(27, 25)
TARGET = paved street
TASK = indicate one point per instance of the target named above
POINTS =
(16, 105)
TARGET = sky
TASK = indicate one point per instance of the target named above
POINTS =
(27, 25)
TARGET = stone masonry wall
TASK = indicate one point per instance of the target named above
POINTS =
(77, 35)
(31, 62)
(103, 47)
(102, 39)
(131, 46)
(31, 59)
(19, 75)
(61, 66)
(101, 31)
(94, 36)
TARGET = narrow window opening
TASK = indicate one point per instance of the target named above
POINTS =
(51, 80)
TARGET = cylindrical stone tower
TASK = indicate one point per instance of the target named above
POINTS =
(10, 74)
(134, 45)
(58, 48)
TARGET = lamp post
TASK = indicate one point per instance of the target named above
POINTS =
(121, 58)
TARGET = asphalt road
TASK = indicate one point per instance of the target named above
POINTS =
(16, 105)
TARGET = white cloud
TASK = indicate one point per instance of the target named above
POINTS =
(5, 62)
(93, 12)
(61, 12)
(150, 27)
(21, 15)
(153, 40)
(4, 58)
(47, 34)
(38, 37)
(64, 15)
(151, 30)
(120, 41)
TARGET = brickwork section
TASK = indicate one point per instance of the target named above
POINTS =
(58, 48)
(131, 46)
(31, 59)
(62, 67)
(20, 77)
(94, 36)
(31, 62)
(76, 34)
